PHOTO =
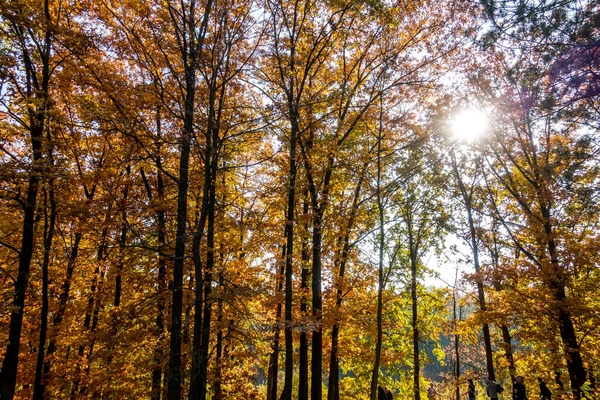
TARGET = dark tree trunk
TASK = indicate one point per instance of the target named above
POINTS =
(577, 373)
(160, 220)
(195, 381)
(218, 391)
(174, 392)
(508, 352)
(89, 311)
(317, 312)
(162, 267)
(49, 225)
(414, 322)
(303, 357)
(381, 215)
(334, 377)
(274, 359)
(289, 245)
(467, 197)
(189, 55)
(63, 300)
(207, 283)
(122, 242)
(37, 93)
(456, 318)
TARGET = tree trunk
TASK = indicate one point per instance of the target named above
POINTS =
(207, 283)
(334, 377)
(122, 242)
(414, 323)
(174, 392)
(162, 269)
(467, 198)
(218, 391)
(194, 44)
(577, 373)
(49, 225)
(508, 352)
(303, 357)
(456, 318)
(317, 312)
(87, 321)
(380, 211)
(289, 246)
(274, 359)
(37, 124)
(62, 306)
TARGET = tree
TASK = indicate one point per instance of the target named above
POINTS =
(527, 160)
(29, 82)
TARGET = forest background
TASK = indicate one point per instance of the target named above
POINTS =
(238, 199)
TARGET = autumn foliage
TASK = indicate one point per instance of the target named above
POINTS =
(262, 198)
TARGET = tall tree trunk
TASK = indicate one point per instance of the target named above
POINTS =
(303, 356)
(289, 246)
(37, 92)
(122, 242)
(207, 283)
(381, 215)
(317, 312)
(194, 40)
(218, 390)
(174, 392)
(508, 352)
(334, 377)
(160, 220)
(467, 197)
(161, 235)
(274, 359)
(87, 321)
(577, 373)
(49, 225)
(415, 321)
(456, 318)
(195, 381)
(63, 300)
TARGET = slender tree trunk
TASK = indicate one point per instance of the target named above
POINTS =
(334, 377)
(379, 339)
(207, 282)
(577, 373)
(160, 220)
(218, 391)
(174, 392)
(37, 94)
(122, 243)
(467, 198)
(289, 245)
(90, 306)
(456, 318)
(49, 225)
(194, 39)
(414, 322)
(62, 306)
(162, 268)
(317, 312)
(274, 359)
(195, 381)
(380, 211)
(508, 352)
(303, 357)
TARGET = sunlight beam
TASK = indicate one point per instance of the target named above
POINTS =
(469, 124)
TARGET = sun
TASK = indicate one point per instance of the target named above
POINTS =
(469, 124)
